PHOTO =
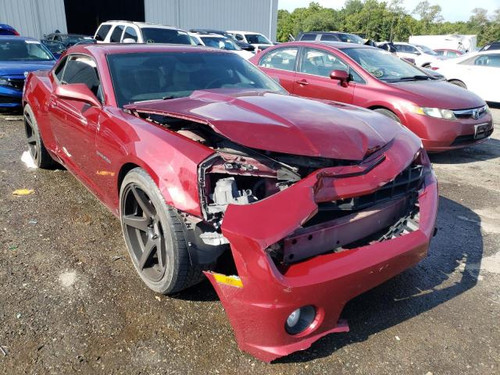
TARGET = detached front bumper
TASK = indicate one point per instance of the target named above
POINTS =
(260, 301)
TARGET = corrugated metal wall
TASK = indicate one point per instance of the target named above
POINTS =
(38, 17)
(247, 15)
(34, 17)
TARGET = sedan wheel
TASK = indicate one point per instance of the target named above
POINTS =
(37, 149)
(155, 236)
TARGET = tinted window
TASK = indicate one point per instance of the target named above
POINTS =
(102, 32)
(281, 58)
(257, 39)
(329, 37)
(321, 63)
(116, 35)
(488, 60)
(130, 34)
(172, 36)
(310, 37)
(24, 50)
(60, 68)
(81, 69)
(350, 38)
(157, 75)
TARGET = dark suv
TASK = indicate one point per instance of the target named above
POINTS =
(330, 36)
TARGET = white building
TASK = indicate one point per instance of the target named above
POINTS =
(38, 17)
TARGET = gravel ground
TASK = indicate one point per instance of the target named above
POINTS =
(70, 300)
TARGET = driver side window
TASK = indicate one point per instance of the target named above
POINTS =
(82, 69)
(321, 63)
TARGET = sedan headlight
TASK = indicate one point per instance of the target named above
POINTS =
(446, 114)
(4, 82)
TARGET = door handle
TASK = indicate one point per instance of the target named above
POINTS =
(302, 82)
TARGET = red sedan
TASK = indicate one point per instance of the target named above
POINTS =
(443, 116)
(203, 157)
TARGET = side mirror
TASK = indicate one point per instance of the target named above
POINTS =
(417, 53)
(340, 75)
(77, 91)
(129, 40)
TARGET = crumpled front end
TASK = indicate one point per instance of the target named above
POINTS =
(303, 252)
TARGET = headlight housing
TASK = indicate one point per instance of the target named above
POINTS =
(446, 114)
(4, 82)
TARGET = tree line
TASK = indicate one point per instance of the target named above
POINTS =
(381, 21)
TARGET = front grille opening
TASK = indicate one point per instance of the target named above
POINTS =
(342, 225)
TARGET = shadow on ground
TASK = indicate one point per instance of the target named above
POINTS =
(434, 281)
(488, 150)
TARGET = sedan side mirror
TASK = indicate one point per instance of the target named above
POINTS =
(77, 91)
(340, 75)
(129, 40)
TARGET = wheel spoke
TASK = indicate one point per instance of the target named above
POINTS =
(159, 252)
(137, 222)
(32, 139)
(146, 254)
(143, 202)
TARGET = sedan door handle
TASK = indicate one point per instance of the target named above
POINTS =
(302, 82)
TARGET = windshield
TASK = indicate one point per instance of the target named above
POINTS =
(383, 65)
(24, 50)
(350, 38)
(257, 39)
(171, 36)
(218, 42)
(167, 75)
(427, 50)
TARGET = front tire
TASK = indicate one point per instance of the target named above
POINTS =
(387, 113)
(458, 83)
(37, 149)
(155, 236)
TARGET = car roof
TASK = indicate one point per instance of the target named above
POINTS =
(140, 24)
(337, 45)
(122, 48)
(244, 32)
(15, 37)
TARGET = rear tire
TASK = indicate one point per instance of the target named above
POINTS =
(458, 83)
(155, 236)
(387, 113)
(37, 149)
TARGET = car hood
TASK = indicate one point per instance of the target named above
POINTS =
(19, 67)
(439, 94)
(282, 123)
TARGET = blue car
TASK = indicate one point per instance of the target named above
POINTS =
(18, 57)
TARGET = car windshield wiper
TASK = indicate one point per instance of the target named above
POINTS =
(420, 77)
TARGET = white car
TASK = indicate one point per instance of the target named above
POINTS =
(417, 54)
(221, 42)
(478, 72)
(139, 32)
(255, 39)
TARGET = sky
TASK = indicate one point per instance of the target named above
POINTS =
(452, 10)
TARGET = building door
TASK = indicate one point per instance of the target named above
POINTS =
(83, 17)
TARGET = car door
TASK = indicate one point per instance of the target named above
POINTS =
(313, 80)
(481, 74)
(74, 122)
(280, 64)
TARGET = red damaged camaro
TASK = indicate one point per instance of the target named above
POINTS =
(204, 158)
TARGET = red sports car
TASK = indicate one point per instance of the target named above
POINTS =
(443, 116)
(204, 158)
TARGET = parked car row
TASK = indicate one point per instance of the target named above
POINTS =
(200, 154)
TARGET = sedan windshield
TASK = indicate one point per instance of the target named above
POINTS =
(24, 50)
(257, 39)
(171, 36)
(427, 50)
(218, 42)
(385, 66)
(168, 75)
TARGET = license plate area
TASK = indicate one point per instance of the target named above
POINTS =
(482, 130)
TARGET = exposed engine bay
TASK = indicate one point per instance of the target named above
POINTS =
(240, 175)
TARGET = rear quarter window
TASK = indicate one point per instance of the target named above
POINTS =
(102, 32)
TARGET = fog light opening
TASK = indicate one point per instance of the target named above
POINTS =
(300, 320)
